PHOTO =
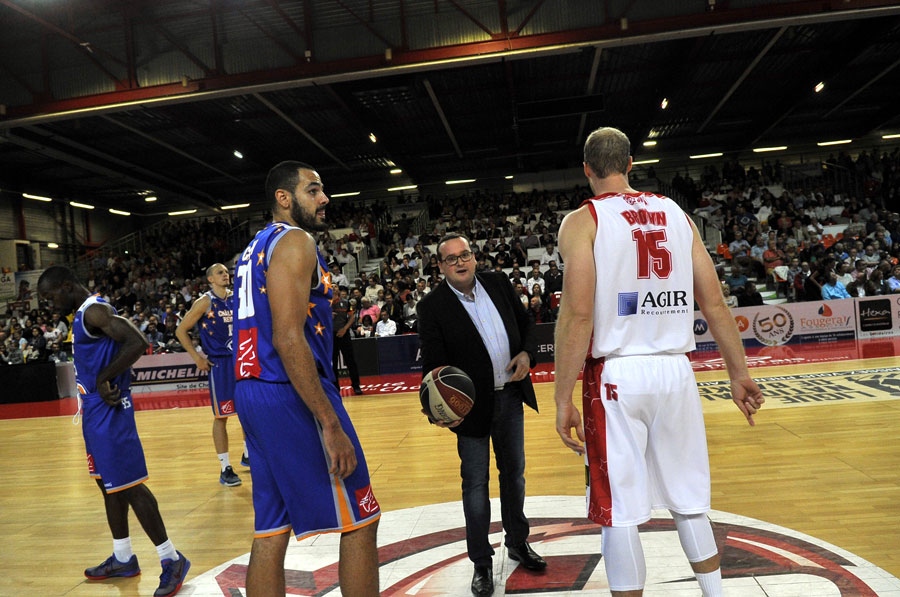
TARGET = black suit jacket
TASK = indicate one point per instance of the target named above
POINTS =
(449, 337)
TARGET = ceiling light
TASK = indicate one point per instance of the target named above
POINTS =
(36, 197)
(700, 156)
(819, 86)
(353, 194)
(642, 162)
(765, 149)
(894, 136)
(373, 138)
(81, 205)
(664, 104)
(406, 188)
(52, 246)
(509, 177)
(119, 212)
(238, 154)
(841, 142)
(461, 181)
(649, 143)
(396, 170)
(150, 199)
(235, 206)
(183, 212)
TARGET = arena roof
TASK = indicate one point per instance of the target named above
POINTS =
(104, 102)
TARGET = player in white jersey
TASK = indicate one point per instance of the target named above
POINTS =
(633, 317)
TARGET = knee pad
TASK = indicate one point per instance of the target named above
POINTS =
(626, 569)
(696, 536)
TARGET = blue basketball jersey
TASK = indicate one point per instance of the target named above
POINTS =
(255, 355)
(215, 326)
(93, 353)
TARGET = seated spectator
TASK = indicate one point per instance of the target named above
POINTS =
(832, 289)
(553, 279)
(750, 296)
(367, 308)
(365, 329)
(56, 355)
(385, 326)
(338, 278)
(730, 300)
(737, 278)
(154, 337)
(537, 310)
(550, 254)
(894, 281)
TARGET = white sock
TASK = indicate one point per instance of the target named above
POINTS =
(246, 453)
(122, 549)
(167, 551)
(710, 583)
(224, 461)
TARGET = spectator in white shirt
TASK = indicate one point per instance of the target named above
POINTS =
(385, 326)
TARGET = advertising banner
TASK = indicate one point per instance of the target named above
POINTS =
(167, 373)
(787, 323)
(878, 316)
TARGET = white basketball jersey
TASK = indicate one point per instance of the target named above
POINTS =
(644, 298)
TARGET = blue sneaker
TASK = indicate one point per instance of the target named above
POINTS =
(113, 568)
(229, 478)
(173, 575)
(245, 461)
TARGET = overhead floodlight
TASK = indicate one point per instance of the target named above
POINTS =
(894, 136)
(700, 156)
(150, 199)
(36, 197)
(665, 103)
(461, 181)
(235, 206)
(406, 188)
(119, 212)
(765, 149)
(52, 246)
(373, 138)
(237, 154)
(396, 170)
(352, 194)
(649, 143)
(819, 86)
(642, 162)
(81, 205)
(840, 142)
(183, 212)
(508, 177)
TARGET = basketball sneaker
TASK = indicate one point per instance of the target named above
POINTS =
(245, 461)
(229, 478)
(173, 575)
(113, 568)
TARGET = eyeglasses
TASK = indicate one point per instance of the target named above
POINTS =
(452, 260)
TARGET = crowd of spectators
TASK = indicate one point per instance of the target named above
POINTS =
(808, 241)
(822, 239)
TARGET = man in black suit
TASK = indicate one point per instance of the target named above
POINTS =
(476, 323)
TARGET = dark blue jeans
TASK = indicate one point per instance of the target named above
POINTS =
(508, 436)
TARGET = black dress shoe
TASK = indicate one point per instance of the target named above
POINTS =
(526, 556)
(483, 581)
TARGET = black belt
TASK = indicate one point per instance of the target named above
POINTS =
(509, 386)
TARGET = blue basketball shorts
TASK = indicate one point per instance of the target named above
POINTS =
(221, 386)
(292, 488)
(114, 450)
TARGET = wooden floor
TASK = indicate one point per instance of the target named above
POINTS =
(828, 470)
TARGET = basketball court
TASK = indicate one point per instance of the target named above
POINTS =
(806, 503)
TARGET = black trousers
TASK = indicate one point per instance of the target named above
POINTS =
(344, 345)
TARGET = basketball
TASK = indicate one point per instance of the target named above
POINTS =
(447, 393)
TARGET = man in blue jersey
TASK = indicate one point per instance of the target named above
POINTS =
(211, 313)
(105, 347)
(309, 472)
